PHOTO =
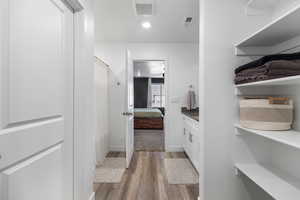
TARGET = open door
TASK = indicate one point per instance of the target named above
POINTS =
(129, 109)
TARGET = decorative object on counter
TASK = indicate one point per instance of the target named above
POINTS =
(269, 67)
(191, 98)
(266, 113)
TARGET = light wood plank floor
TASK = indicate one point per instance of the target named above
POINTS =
(146, 180)
(149, 140)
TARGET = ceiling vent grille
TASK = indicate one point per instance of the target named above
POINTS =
(144, 7)
(188, 21)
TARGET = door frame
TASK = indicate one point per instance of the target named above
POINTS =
(77, 6)
(166, 83)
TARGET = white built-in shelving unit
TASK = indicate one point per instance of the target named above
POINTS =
(273, 181)
(281, 35)
(272, 38)
(290, 138)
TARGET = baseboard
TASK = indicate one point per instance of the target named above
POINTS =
(93, 196)
(117, 148)
(174, 148)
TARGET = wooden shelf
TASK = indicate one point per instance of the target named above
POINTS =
(277, 184)
(278, 31)
(291, 80)
(290, 138)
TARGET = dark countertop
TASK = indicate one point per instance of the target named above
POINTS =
(194, 114)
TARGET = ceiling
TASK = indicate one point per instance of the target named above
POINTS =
(116, 21)
(263, 4)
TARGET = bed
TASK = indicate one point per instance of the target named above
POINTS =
(148, 118)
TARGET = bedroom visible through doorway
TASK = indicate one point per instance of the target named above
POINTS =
(149, 105)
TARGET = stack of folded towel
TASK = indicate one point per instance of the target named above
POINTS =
(269, 67)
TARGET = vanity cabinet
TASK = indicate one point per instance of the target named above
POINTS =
(191, 141)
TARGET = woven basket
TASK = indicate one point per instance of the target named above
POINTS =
(267, 113)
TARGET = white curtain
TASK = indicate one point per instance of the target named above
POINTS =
(149, 103)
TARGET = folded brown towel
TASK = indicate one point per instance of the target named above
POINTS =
(265, 59)
(270, 70)
(272, 65)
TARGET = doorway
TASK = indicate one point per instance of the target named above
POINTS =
(149, 105)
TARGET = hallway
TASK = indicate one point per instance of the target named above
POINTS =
(146, 180)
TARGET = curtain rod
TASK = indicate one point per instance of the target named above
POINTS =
(101, 61)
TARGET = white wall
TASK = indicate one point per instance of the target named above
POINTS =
(221, 26)
(84, 103)
(283, 7)
(101, 108)
(182, 71)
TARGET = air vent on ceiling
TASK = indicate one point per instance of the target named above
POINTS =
(144, 7)
(188, 21)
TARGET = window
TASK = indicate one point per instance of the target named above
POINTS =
(158, 95)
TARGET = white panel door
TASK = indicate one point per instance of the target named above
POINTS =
(23, 181)
(36, 100)
(129, 109)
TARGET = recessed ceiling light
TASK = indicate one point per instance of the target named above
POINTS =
(146, 25)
